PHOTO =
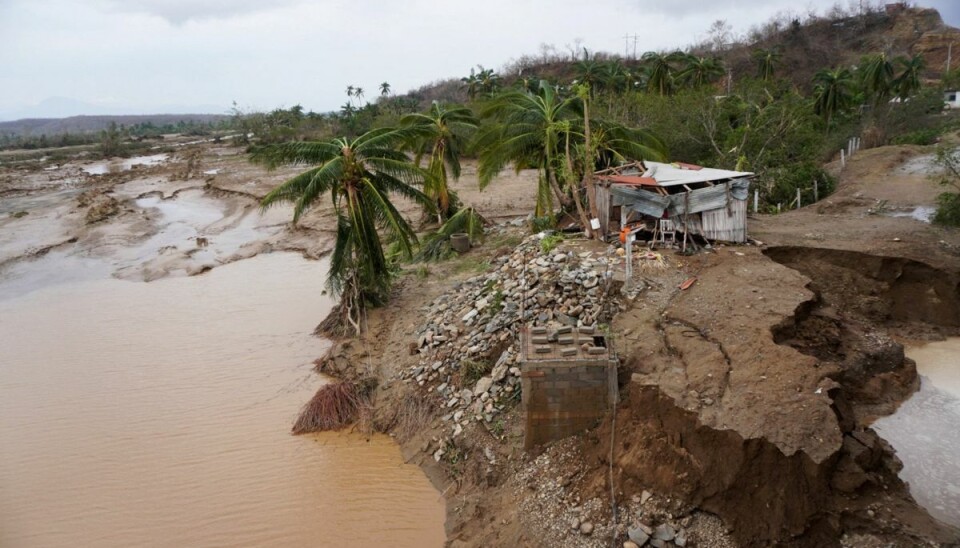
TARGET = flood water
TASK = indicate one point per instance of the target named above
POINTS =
(158, 414)
(925, 431)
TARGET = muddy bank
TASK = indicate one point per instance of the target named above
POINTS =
(143, 218)
(746, 402)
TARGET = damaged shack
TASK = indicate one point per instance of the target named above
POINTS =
(677, 197)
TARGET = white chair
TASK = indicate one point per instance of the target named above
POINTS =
(667, 228)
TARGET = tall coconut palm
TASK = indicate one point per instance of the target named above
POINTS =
(441, 134)
(700, 71)
(832, 93)
(359, 175)
(876, 74)
(909, 80)
(384, 89)
(767, 61)
(528, 132)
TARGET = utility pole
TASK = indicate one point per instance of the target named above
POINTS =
(949, 55)
(626, 45)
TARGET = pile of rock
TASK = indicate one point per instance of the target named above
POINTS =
(661, 536)
(471, 331)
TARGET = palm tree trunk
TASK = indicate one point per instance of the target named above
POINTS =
(561, 197)
(587, 230)
(588, 167)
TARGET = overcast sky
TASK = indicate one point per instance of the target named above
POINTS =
(167, 55)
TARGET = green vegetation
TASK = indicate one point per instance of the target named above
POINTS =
(436, 245)
(550, 242)
(948, 212)
(359, 175)
(441, 135)
(781, 118)
(472, 370)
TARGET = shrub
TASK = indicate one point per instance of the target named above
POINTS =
(948, 212)
(921, 137)
(550, 242)
(471, 371)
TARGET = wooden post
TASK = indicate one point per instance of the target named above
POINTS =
(628, 269)
(798, 198)
(756, 199)
(816, 191)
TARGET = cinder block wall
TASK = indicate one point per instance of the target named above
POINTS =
(564, 397)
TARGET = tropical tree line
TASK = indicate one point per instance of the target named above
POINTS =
(667, 106)
(547, 129)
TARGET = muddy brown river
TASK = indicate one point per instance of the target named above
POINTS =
(158, 414)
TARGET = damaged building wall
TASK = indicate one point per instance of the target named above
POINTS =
(717, 212)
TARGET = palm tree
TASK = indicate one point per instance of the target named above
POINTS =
(359, 174)
(358, 93)
(488, 80)
(588, 71)
(615, 144)
(767, 61)
(659, 72)
(699, 71)
(614, 76)
(529, 135)
(909, 80)
(832, 93)
(877, 77)
(472, 83)
(384, 89)
(441, 133)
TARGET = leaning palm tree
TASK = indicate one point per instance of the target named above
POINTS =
(528, 133)
(909, 80)
(441, 134)
(767, 61)
(359, 175)
(832, 93)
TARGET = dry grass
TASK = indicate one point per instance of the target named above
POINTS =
(413, 414)
(333, 407)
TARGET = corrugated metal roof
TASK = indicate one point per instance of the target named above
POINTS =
(672, 175)
(668, 175)
(701, 199)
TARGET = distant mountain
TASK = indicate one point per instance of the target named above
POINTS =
(64, 107)
(85, 124)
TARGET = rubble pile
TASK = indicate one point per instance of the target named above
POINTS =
(468, 341)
